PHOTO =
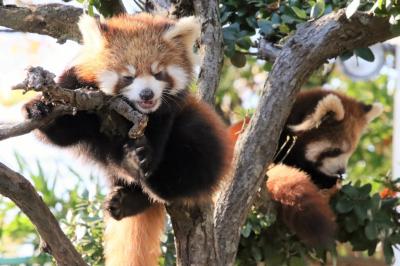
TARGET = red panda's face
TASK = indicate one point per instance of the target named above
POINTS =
(146, 90)
(328, 135)
(148, 59)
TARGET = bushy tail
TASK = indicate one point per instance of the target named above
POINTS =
(304, 209)
(135, 240)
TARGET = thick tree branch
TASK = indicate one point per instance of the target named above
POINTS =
(20, 191)
(56, 20)
(312, 44)
(211, 48)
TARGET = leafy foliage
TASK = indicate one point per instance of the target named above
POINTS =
(366, 219)
(79, 212)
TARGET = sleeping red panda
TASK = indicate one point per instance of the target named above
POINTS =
(323, 129)
(185, 148)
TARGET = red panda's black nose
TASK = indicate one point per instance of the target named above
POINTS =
(146, 94)
(341, 172)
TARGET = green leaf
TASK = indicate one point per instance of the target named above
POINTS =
(361, 210)
(256, 252)
(346, 55)
(352, 8)
(365, 53)
(350, 224)
(317, 9)
(344, 205)
(388, 253)
(246, 230)
(350, 191)
(244, 42)
(300, 13)
(371, 231)
(297, 261)
(238, 60)
(284, 28)
(265, 27)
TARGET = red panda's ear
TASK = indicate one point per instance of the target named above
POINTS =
(373, 111)
(90, 29)
(186, 29)
(329, 107)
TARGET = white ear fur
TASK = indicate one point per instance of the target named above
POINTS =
(188, 29)
(330, 103)
(376, 110)
(90, 31)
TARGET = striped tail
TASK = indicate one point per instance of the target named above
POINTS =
(303, 208)
(135, 240)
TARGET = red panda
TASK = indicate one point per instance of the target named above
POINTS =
(185, 150)
(321, 133)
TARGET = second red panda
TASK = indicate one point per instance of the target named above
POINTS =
(323, 130)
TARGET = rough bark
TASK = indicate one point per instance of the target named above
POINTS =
(20, 191)
(267, 50)
(56, 20)
(211, 48)
(194, 233)
(311, 45)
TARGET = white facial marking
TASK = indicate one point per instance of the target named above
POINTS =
(107, 81)
(314, 149)
(331, 165)
(132, 92)
(180, 77)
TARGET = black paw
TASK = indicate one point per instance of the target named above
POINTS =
(36, 109)
(126, 201)
(144, 154)
(114, 203)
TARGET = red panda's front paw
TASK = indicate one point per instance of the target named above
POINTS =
(143, 152)
(36, 109)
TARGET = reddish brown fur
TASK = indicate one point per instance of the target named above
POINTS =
(135, 240)
(304, 210)
(124, 43)
(350, 128)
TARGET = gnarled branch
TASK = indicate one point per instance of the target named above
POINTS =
(19, 190)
